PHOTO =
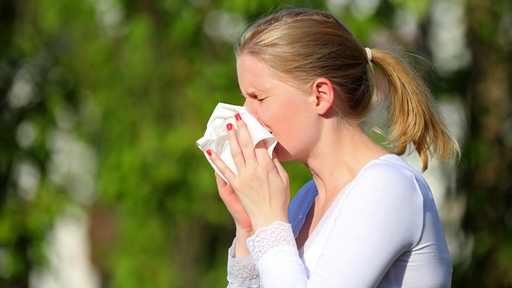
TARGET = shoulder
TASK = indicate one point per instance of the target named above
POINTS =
(385, 198)
(389, 164)
(390, 172)
(389, 182)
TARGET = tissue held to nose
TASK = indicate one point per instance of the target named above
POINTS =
(215, 137)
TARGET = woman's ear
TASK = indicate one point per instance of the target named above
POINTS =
(324, 95)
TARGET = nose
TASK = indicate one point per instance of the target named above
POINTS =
(249, 104)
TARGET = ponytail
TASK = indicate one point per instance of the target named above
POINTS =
(413, 117)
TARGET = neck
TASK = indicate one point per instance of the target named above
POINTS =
(341, 154)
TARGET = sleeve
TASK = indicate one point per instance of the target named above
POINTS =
(379, 220)
(276, 256)
(242, 272)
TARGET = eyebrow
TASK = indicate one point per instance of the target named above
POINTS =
(249, 93)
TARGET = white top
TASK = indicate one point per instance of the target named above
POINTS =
(382, 230)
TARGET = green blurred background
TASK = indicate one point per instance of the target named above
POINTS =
(102, 185)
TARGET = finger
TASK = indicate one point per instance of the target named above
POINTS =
(221, 183)
(245, 142)
(262, 156)
(221, 166)
(280, 169)
(225, 191)
(234, 147)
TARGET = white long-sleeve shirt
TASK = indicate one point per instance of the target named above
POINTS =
(382, 230)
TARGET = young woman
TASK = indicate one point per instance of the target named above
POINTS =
(367, 219)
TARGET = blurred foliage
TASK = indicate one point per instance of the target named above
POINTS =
(130, 84)
(487, 160)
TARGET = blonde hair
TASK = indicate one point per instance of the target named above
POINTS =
(306, 44)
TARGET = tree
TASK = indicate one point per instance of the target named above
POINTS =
(486, 165)
(35, 86)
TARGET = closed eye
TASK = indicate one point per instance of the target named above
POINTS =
(254, 96)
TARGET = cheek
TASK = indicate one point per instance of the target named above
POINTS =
(280, 117)
(288, 147)
(296, 132)
(281, 125)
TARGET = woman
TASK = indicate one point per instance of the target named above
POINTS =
(367, 219)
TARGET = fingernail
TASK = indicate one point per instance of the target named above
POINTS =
(209, 152)
(238, 117)
(229, 126)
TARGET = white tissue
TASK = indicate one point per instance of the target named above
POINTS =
(215, 137)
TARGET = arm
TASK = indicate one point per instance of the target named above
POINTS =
(242, 272)
(241, 268)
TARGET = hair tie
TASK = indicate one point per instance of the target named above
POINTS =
(368, 54)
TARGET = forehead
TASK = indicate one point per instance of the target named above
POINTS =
(249, 65)
(253, 74)
(256, 76)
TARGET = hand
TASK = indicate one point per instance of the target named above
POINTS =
(228, 196)
(262, 185)
(235, 208)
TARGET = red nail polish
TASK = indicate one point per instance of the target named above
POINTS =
(209, 152)
(229, 126)
(238, 117)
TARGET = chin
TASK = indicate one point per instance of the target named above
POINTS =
(282, 154)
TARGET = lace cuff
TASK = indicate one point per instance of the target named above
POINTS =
(266, 238)
(242, 271)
